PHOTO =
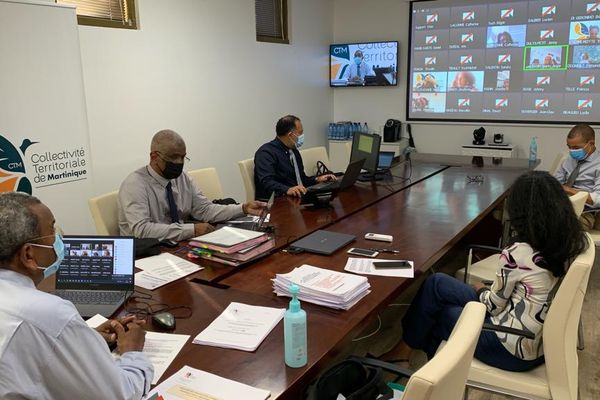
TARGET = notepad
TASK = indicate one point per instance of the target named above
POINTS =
(240, 326)
(194, 384)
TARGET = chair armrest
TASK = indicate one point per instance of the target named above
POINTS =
(386, 366)
(491, 249)
(511, 331)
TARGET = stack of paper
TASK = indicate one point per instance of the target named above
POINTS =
(324, 287)
(229, 239)
(231, 246)
(241, 327)
(194, 384)
(162, 269)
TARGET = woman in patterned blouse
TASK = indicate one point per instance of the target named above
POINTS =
(549, 237)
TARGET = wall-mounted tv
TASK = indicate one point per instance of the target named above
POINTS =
(363, 64)
(493, 60)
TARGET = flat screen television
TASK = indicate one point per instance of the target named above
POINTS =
(518, 61)
(363, 64)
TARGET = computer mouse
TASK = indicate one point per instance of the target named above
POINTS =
(164, 320)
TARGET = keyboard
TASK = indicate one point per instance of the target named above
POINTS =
(91, 296)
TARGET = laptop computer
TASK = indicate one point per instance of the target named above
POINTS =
(349, 178)
(322, 242)
(251, 222)
(97, 273)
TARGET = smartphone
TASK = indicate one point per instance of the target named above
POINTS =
(391, 264)
(363, 252)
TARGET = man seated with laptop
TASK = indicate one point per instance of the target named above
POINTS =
(161, 201)
(46, 349)
(278, 165)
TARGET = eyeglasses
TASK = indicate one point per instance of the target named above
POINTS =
(57, 229)
(175, 160)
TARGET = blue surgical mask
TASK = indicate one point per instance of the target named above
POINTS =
(300, 141)
(578, 154)
(59, 250)
(357, 60)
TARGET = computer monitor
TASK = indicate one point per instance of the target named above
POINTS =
(366, 146)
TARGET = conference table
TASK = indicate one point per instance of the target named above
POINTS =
(428, 207)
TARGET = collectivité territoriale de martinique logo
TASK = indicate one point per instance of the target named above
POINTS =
(49, 168)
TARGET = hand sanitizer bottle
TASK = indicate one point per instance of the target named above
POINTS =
(294, 332)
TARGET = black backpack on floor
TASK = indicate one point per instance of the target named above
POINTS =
(351, 379)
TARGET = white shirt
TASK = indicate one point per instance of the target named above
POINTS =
(588, 178)
(144, 209)
(48, 352)
(354, 71)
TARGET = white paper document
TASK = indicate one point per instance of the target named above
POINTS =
(194, 384)
(160, 348)
(228, 236)
(162, 269)
(323, 286)
(365, 266)
(240, 326)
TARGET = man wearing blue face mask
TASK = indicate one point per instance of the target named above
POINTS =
(46, 350)
(581, 170)
(161, 201)
(358, 69)
(278, 166)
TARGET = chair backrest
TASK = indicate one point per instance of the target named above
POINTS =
(561, 325)
(558, 160)
(310, 157)
(445, 375)
(105, 213)
(207, 180)
(247, 171)
(578, 202)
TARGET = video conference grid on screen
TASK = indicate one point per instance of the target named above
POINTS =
(510, 61)
(96, 261)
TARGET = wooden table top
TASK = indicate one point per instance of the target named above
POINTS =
(425, 218)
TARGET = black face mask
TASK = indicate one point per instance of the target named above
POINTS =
(172, 170)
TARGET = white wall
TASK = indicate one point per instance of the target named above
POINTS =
(359, 20)
(195, 66)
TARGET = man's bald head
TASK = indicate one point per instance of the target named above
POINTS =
(583, 130)
(167, 142)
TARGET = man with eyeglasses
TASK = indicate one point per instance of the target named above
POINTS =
(46, 350)
(161, 201)
(581, 171)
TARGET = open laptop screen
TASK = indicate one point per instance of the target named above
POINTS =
(97, 262)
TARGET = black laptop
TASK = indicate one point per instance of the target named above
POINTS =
(96, 274)
(250, 222)
(349, 178)
(322, 242)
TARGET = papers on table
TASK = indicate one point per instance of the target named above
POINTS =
(365, 266)
(160, 348)
(240, 326)
(194, 384)
(162, 269)
(229, 239)
(324, 287)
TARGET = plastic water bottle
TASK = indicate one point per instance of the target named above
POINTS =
(330, 131)
(366, 128)
(294, 332)
(533, 150)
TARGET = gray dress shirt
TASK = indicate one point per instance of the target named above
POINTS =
(588, 178)
(48, 352)
(144, 209)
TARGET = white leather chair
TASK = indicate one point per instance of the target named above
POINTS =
(104, 210)
(558, 377)
(485, 269)
(444, 376)
(310, 157)
(557, 162)
(207, 180)
(247, 172)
